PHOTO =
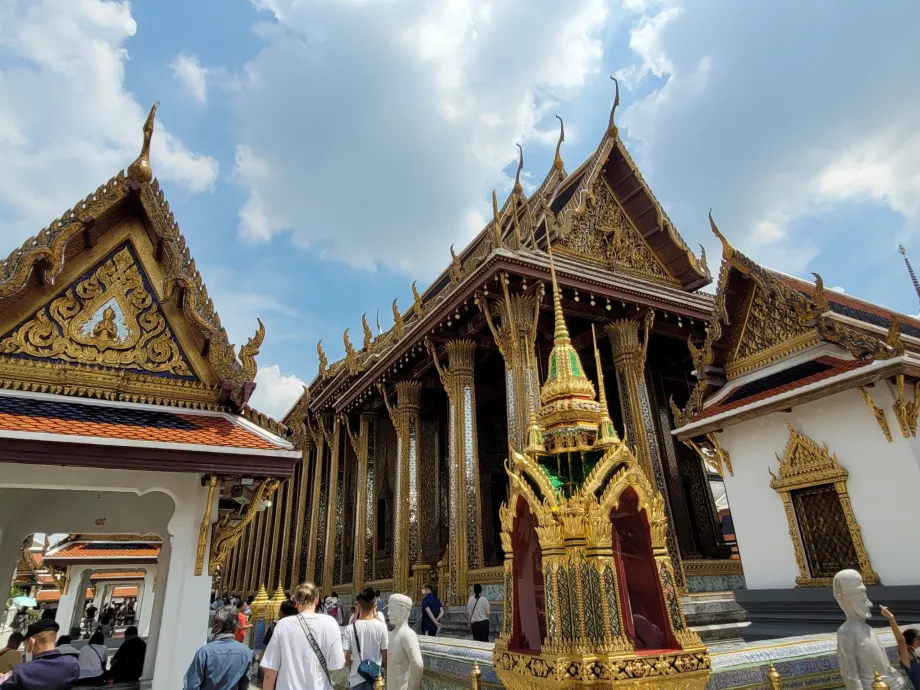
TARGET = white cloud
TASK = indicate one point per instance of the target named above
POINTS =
(275, 393)
(379, 128)
(192, 77)
(67, 124)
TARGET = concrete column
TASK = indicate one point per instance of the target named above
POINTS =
(638, 416)
(144, 607)
(68, 613)
(408, 571)
(158, 592)
(515, 334)
(464, 546)
(185, 608)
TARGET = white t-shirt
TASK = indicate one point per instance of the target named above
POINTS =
(290, 654)
(90, 659)
(373, 637)
(478, 609)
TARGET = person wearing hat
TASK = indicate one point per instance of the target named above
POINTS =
(45, 668)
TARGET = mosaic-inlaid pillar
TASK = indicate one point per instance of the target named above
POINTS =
(279, 507)
(407, 569)
(287, 512)
(317, 512)
(266, 537)
(464, 544)
(363, 566)
(304, 512)
(638, 418)
(253, 569)
(334, 508)
(515, 335)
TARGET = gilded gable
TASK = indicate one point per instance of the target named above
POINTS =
(108, 317)
(603, 233)
(768, 332)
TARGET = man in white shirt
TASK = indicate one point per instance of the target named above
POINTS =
(292, 661)
(365, 639)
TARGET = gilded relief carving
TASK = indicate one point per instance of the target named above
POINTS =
(108, 318)
(603, 233)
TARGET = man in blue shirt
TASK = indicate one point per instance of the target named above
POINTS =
(48, 669)
(223, 663)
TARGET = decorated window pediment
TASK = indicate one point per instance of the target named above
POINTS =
(109, 317)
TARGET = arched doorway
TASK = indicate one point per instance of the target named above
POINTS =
(645, 615)
(529, 626)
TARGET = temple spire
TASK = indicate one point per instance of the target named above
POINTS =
(560, 332)
(558, 164)
(140, 169)
(606, 433)
(913, 276)
(518, 189)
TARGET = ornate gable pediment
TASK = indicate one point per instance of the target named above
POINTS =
(109, 317)
(767, 332)
(603, 233)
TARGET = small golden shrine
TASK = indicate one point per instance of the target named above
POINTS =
(590, 594)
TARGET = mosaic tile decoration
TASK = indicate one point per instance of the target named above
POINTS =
(808, 662)
(715, 583)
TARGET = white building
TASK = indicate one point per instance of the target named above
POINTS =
(123, 405)
(808, 400)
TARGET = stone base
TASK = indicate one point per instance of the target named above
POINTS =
(715, 617)
(812, 610)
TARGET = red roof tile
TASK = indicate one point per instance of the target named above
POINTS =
(48, 595)
(124, 592)
(101, 550)
(129, 423)
(837, 367)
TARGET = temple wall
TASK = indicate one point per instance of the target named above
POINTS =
(883, 482)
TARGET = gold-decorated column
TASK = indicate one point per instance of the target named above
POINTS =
(304, 510)
(364, 505)
(629, 360)
(408, 572)
(334, 494)
(464, 546)
(515, 335)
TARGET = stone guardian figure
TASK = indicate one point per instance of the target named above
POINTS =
(859, 652)
(404, 656)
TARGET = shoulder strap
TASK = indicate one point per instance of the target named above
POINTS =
(314, 646)
(354, 627)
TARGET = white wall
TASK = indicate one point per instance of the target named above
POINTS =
(883, 485)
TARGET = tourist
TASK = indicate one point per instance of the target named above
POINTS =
(356, 614)
(333, 609)
(288, 608)
(365, 642)
(304, 649)
(128, 662)
(107, 623)
(242, 625)
(64, 646)
(93, 658)
(380, 608)
(432, 611)
(10, 656)
(223, 663)
(478, 612)
(908, 648)
(247, 610)
(21, 620)
(45, 667)
(90, 615)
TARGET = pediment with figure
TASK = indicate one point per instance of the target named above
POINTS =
(603, 233)
(108, 317)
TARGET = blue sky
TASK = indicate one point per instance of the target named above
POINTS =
(320, 155)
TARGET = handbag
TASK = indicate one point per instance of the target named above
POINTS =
(315, 647)
(367, 669)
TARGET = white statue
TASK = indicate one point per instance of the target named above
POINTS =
(859, 653)
(404, 657)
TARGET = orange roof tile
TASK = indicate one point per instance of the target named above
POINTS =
(117, 576)
(48, 595)
(104, 550)
(124, 592)
(730, 402)
(129, 423)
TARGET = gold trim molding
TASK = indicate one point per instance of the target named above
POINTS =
(878, 413)
(711, 568)
(805, 464)
(906, 412)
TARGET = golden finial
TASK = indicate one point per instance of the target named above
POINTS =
(260, 604)
(728, 251)
(349, 348)
(380, 683)
(534, 437)
(496, 222)
(140, 169)
(820, 298)
(323, 360)
(558, 162)
(398, 323)
(456, 268)
(774, 678)
(518, 189)
(475, 674)
(606, 433)
(368, 335)
(611, 126)
(418, 298)
(560, 333)
(879, 683)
